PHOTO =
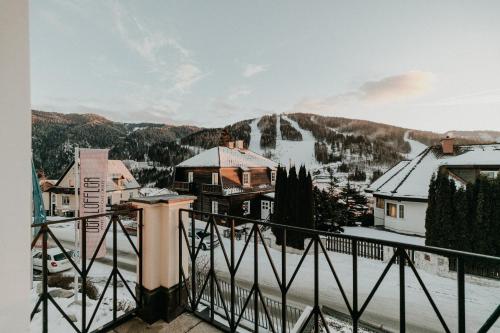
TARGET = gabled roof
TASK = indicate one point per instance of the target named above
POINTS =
(411, 179)
(224, 157)
(116, 170)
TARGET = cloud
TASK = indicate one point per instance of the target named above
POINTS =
(393, 88)
(186, 76)
(164, 55)
(387, 90)
(253, 69)
(238, 92)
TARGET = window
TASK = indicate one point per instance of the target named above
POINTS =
(246, 179)
(215, 178)
(392, 210)
(65, 200)
(401, 211)
(489, 174)
(215, 207)
(272, 207)
(190, 176)
(379, 202)
(246, 207)
(109, 200)
(71, 182)
(191, 205)
(273, 177)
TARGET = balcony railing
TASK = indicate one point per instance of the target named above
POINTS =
(114, 226)
(211, 188)
(182, 186)
(224, 307)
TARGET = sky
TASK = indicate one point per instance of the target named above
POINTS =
(430, 65)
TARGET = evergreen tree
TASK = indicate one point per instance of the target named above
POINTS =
(459, 236)
(279, 215)
(484, 214)
(430, 214)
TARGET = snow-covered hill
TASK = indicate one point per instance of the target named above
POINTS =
(291, 152)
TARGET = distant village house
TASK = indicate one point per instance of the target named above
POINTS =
(401, 194)
(230, 180)
(59, 196)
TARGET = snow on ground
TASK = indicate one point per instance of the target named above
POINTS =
(383, 235)
(482, 295)
(416, 147)
(98, 274)
(255, 135)
(295, 152)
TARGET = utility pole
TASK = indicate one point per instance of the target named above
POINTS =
(77, 213)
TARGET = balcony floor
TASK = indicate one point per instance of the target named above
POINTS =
(182, 324)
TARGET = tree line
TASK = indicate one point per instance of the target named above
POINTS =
(464, 218)
(293, 205)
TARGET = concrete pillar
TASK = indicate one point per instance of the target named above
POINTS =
(15, 168)
(163, 296)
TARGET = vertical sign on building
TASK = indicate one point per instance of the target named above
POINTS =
(93, 198)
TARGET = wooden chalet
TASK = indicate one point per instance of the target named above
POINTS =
(229, 180)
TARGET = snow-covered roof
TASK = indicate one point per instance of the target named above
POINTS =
(224, 157)
(269, 195)
(411, 179)
(117, 170)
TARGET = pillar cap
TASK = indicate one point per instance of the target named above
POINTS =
(166, 198)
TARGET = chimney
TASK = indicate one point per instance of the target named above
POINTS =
(239, 144)
(447, 145)
(230, 144)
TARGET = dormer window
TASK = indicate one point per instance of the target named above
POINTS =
(273, 177)
(246, 178)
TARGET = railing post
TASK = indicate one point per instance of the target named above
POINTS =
(256, 278)
(141, 230)
(83, 247)
(233, 287)
(160, 287)
(115, 269)
(355, 285)
(194, 306)
(211, 273)
(45, 282)
(283, 282)
(402, 309)
(316, 285)
(461, 294)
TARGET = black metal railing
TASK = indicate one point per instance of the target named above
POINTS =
(182, 186)
(232, 314)
(45, 233)
(211, 188)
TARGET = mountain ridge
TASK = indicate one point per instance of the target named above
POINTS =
(339, 141)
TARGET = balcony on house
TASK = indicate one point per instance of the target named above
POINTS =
(211, 188)
(215, 280)
(182, 186)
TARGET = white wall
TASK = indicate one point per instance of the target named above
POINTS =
(414, 220)
(379, 216)
(15, 149)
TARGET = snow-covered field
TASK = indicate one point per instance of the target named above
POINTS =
(98, 274)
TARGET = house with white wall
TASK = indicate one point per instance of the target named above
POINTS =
(59, 198)
(401, 194)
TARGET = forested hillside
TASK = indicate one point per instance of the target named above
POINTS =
(55, 135)
(348, 146)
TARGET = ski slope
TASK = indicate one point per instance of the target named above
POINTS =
(416, 147)
(287, 152)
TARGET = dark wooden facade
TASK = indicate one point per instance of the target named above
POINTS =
(230, 193)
